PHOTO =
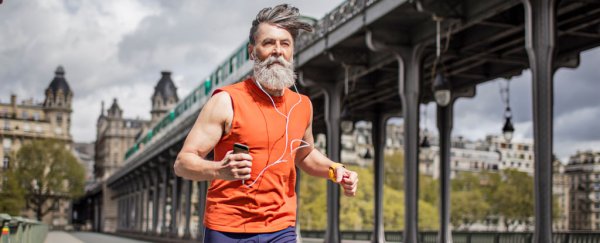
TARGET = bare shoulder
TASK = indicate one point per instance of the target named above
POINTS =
(219, 105)
(218, 111)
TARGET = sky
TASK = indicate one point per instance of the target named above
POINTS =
(117, 49)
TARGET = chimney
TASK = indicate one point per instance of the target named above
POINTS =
(13, 102)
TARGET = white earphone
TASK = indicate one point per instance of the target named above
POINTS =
(287, 122)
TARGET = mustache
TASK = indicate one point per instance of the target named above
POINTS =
(273, 60)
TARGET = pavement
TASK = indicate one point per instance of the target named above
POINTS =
(86, 237)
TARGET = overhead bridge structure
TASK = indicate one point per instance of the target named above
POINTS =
(374, 59)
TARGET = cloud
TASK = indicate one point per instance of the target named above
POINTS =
(117, 48)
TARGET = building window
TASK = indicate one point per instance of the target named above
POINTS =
(59, 118)
(6, 143)
(36, 116)
(6, 125)
(6, 162)
(38, 129)
(26, 127)
(25, 115)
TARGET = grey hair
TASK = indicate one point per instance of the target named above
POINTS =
(283, 16)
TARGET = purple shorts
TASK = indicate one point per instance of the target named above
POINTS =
(287, 235)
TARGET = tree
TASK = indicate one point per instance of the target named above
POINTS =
(468, 202)
(48, 172)
(394, 170)
(513, 197)
(11, 194)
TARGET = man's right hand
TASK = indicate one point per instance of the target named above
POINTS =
(235, 167)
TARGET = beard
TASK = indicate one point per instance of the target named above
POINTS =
(274, 73)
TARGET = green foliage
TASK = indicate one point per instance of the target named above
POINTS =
(393, 209)
(394, 171)
(514, 197)
(429, 189)
(48, 172)
(357, 213)
(12, 198)
(467, 200)
(313, 203)
(474, 198)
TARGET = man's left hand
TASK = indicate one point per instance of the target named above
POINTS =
(347, 179)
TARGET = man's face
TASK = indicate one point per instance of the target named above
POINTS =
(273, 57)
(271, 40)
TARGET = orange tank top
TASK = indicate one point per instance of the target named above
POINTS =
(270, 204)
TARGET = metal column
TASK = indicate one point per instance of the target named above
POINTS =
(333, 98)
(163, 196)
(120, 212)
(139, 213)
(147, 185)
(188, 208)
(444, 124)
(128, 206)
(155, 203)
(175, 203)
(409, 71)
(378, 132)
(409, 77)
(540, 38)
(202, 188)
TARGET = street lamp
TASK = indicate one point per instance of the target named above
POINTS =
(441, 90)
(440, 84)
(508, 129)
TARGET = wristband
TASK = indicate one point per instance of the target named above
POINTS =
(332, 168)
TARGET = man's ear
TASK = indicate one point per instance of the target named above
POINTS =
(251, 51)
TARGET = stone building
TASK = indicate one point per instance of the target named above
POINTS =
(516, 154)
(115, 134)
(560, 190)
(583, 171)
(28, 120)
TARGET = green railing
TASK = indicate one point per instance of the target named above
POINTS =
(466, 237)
(22, 230)
(215, 79)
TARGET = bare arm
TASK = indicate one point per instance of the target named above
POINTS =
(214, 120)
(316, 164)
(311, 160)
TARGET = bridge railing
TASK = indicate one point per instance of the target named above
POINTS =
(332, 20)
(465, 237)
(18, 229)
